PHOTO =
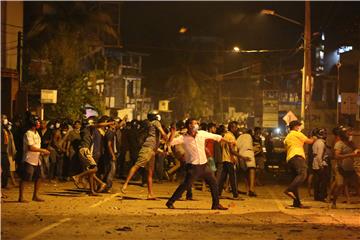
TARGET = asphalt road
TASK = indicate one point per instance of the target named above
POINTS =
(69, 213)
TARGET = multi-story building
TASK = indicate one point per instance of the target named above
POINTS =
(121, 88)
(120, 85)
(349, 87)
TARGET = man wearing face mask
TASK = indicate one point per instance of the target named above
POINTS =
(55, 148)
(295, 158)
(146, 157)
(71, 144)
(5, 141)
(45, 135)
(11, 154)
(58, 154)
(31, 163)
(196, 161)
(320, 165)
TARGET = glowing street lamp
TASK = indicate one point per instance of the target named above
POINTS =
(273, 13)
(236, 49)
(183, 30)
(267, 12)
(306, 71)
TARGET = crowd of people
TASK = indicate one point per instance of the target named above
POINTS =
(92, 152)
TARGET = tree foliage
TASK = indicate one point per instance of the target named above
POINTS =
(192, 91)
(63, 42)
(192, 82)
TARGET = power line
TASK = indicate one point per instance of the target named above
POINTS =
(263, 75)
(240, 70)
(210, 51)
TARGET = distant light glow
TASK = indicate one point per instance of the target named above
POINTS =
(323, 36)
(236, 49)
(183, 30)
(267, 11)
(339, 98)
(321, 54)
(277, 130)
(344, 49)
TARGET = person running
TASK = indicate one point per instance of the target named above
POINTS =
(295, 157)
(31, 165)
(178, 152)
(196, 161)
(146, 157)
(86, 156)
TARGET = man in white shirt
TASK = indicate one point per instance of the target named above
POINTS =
(196, 161)
(244, 144)
(31, 167)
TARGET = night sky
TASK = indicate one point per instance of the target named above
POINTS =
(238, 23)
(152, 27)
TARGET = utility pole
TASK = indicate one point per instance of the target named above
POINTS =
(219, 79)
(338, 65)
(306, 72)
(19, 56)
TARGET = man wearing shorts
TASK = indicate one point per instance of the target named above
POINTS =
(148, 150)
(86, 156)
(31, 165)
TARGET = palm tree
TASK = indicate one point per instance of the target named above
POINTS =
(84, 20)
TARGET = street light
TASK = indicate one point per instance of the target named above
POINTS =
(273, 13)
(267, 12)
(236, 49)
(306, 71)
(183, 30)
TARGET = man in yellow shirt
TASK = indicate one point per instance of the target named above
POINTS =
(229, 159)
(294, 143)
